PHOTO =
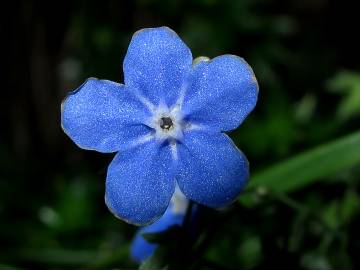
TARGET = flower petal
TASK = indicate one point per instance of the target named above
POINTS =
(140, 248)
(222, 92)
(102, 115)
(140, 183)
(212, 170)
(157, 63)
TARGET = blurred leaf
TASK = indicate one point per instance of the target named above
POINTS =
(250, 252)
(155, 262)
(314, 261)
(57, 256)
(307, 167)
(98, 259)
(349, 206)
(74, 207)
(305, 108)
(49, 216)
(340, 212)
(8, 267)
(340, 259)
(297, 231)
(152, 264)
(331, 215)
(348, 84)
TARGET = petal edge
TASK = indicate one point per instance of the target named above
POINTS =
(102, 115)
(157, 63)
(140, 183)
(222, 92)
(213, 170)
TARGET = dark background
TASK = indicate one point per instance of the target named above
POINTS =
(305, 54)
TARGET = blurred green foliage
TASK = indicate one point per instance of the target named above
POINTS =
(301, 210)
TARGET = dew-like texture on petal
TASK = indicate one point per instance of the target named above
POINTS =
(104, 116)
(212, 170)
(140, 248)
(157, 63)
(140, 183)
(221, 93)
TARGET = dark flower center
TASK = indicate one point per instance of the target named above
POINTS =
(166, 123)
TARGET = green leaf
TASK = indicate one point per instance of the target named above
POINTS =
(330, 215)
(157, 261)
(152, 264)
(308, 167)
(347, 83)
(349, 207)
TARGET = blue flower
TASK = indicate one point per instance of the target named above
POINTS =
(174, 215)
(167, 123)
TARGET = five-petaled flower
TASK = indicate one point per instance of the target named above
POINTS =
(167, 122)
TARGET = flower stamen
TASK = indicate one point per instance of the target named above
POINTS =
(166, 123)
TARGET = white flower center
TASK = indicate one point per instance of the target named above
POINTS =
(167, 123)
